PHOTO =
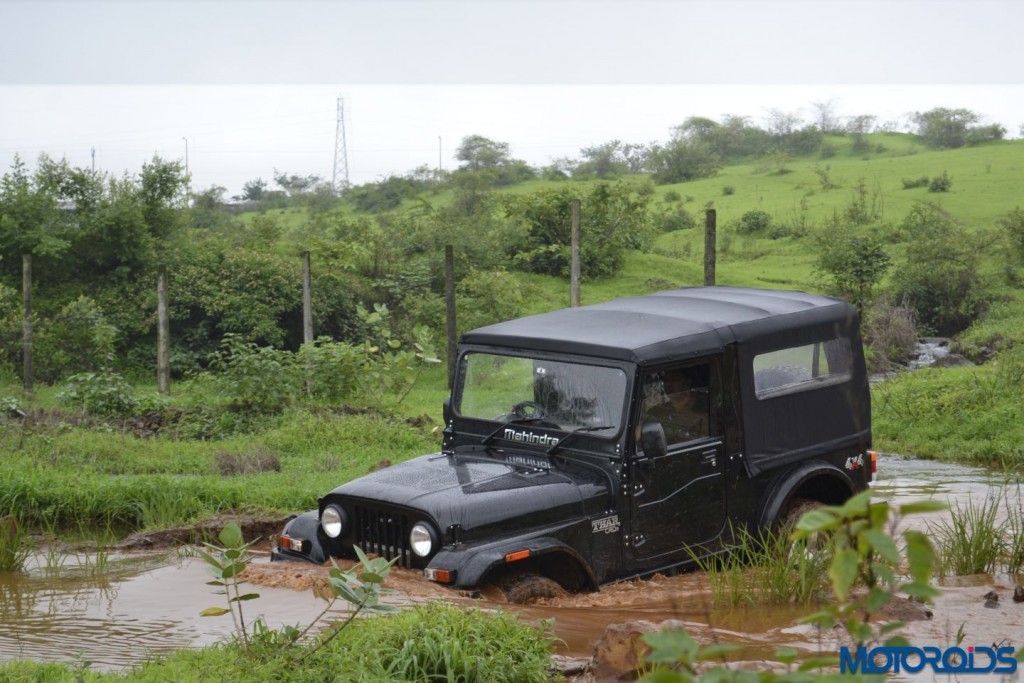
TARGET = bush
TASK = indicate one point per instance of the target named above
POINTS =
(940, 183)
(255, 377)
(911, 183)
(1013, 224)
(100, 393)
(78, 338)
(728, 190)
(676, 219)
(890, 331)
(939, 276)
(753, 222)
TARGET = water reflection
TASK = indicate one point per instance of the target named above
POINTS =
(141, 606)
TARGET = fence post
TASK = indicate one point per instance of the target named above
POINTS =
(574, 286)
(163, 335)
(710, 229)
(26, 329)
(449, 295)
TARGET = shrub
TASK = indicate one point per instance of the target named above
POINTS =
(78, 338)
(753, 222)
(728, 190)
(939, 276)
(100, 393)
(911, 183)
(891, 332)
(676, 219)
(1013, 224)
(940, 183)
(672, 196)
(255, 377)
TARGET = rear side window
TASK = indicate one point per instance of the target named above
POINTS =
(802, 368)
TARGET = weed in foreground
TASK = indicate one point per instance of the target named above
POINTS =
(767, 569)
(972, 541)
(14, 545)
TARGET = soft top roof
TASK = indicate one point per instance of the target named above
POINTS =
(669, 324)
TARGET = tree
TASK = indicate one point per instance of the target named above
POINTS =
(31, 221)
(613, 218)
(951, 128)
(296, 185)
(602, 161)
(828, 121)
(683, 159)
(477, 152)
(162, 191)
(940, 276)
(850, 264)
(252, 191)
(859, 126)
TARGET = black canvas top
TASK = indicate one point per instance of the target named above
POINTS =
(669, 324)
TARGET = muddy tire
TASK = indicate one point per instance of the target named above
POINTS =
(794, 511)
(525, 588)
(816, 543)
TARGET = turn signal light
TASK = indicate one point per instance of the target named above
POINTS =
(439, 575)
(874, 461)
(518, 555)
(288, 543)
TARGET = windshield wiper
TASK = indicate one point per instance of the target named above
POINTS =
(570, 435)
(514, 421)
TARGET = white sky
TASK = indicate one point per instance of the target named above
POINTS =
(250, 87)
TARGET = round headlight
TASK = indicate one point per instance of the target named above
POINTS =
(421, 539)
(332, 521)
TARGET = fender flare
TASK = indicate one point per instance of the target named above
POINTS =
(781, 492)
(473, 565)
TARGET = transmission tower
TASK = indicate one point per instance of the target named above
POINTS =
(340, 179)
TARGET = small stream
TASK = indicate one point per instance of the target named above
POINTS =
(117, 611)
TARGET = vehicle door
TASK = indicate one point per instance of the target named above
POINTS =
(678, 496)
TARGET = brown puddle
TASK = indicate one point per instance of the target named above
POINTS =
(145, 605)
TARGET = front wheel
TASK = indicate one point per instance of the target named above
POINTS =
(526, 588)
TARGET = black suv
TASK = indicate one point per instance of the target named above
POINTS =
(606, 442)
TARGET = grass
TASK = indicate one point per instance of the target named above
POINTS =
(978, 539)
(59, 473)
(768, 569)
(972, 541)
(968, 414)
(434, 642)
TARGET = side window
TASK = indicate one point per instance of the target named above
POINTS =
(801, 368)
(679, 399)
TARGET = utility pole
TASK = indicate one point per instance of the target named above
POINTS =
(339, 182)
(188, 180)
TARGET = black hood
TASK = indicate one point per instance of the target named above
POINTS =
(478, 489)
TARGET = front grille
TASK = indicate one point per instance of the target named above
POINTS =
(384, 533)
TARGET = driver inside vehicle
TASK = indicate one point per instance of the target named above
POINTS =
(677, 399)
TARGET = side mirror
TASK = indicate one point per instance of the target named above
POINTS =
(652, 440)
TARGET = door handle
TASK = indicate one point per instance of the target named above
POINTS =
(709, 458)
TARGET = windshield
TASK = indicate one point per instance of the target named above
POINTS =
(548, 393)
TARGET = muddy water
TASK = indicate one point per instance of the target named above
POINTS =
(141, 606)
(138, 606)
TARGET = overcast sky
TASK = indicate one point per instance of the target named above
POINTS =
(248, 87)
